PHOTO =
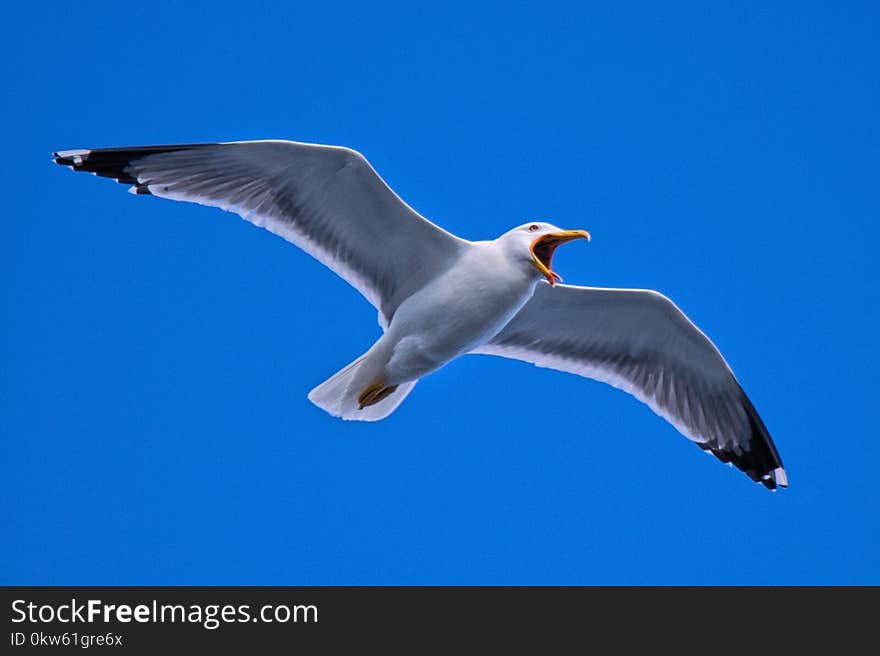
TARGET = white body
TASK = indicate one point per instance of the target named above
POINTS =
(461, 309)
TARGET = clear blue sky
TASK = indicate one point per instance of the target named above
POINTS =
(157, 356)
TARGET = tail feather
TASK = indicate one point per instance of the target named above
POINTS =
(338, 395)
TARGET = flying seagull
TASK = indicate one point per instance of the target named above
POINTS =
(440, 296)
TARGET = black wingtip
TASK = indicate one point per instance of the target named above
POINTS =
(761, 462)
(115, 162)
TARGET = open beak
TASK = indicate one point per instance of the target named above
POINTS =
(544, 246)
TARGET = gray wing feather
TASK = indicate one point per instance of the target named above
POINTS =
(640, 342)
(327, 200)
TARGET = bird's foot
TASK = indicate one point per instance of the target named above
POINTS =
(374, 392)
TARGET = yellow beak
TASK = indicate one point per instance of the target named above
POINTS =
(544, 246)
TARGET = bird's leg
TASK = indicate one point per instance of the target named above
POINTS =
(373, 393)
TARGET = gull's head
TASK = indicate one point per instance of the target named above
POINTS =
(534, 243)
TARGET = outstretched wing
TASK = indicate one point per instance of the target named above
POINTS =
(325, 199)
(640, 342)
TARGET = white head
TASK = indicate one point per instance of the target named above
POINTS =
(533, 244)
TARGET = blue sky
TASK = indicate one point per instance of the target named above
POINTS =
(157, 355)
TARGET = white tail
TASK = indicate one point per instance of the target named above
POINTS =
(338, 395)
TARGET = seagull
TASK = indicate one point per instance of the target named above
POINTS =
(439, 296)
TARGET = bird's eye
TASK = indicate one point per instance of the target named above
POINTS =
(533, 227)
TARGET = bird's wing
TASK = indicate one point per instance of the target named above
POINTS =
(640, 342)
(325, 199)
